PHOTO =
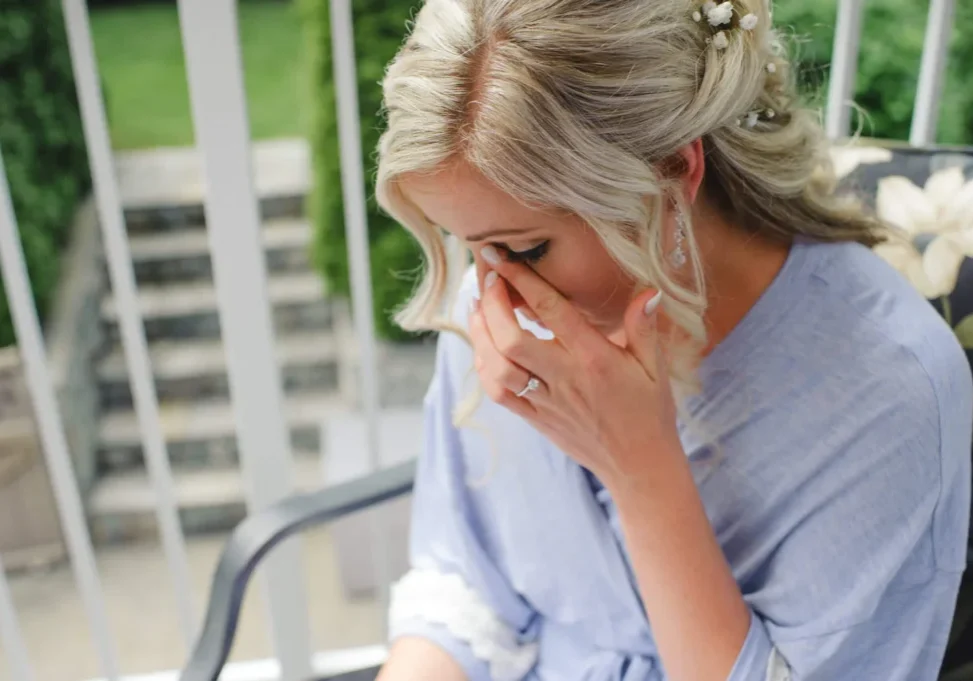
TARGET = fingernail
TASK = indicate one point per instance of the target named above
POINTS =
(490, 279)
(490, 254)
(652, 303)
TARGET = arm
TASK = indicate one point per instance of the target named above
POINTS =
(456, 601)
(864, 573)
(413, 659)
(691, 597)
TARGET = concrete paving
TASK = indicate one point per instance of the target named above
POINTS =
(139, 602)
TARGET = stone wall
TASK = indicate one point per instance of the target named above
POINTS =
(75, 335)
(30, 528)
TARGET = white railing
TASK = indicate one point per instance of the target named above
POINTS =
(844, 67)
(122, 276)
(211, 42)
(925, 120)
(210, 35)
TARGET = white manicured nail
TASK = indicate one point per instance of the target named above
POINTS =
(652, 303)
(490, 254)
(490, 279)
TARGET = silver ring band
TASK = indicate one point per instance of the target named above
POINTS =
(533, 383)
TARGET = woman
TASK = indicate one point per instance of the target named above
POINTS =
(723, 440)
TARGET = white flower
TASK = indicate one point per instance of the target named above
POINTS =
(752, 119)
(749, 22)
(697, 17)
(846, 158)
(936, 226)
(721, 41)
(771, 67)
(720, 14)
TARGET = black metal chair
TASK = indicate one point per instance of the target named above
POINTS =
(257, 535)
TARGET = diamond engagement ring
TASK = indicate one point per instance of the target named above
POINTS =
(533, 383)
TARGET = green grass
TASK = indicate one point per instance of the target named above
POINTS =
(143, 72)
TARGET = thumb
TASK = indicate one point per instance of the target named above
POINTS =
(641, 330)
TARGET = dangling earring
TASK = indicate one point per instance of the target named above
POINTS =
(678, 255)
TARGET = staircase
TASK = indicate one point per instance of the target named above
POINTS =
(170, 254)
(316, 350)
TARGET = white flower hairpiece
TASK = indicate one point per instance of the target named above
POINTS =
(751, 118)
(697, 17)
(771, 67)
(749, 22)
(720, 41)
(720, 14)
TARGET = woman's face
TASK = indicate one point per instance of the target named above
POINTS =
(559, 247)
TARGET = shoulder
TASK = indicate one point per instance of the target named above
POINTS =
(892, 399)
(891, 339)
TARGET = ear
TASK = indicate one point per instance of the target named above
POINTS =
(693, 168)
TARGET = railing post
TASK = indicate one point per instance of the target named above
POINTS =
(210, 33)
(925, 117)
(30, 342)
(844, 67)
(356, 231)
(129, 315)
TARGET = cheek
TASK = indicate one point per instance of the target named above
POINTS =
(585, 273)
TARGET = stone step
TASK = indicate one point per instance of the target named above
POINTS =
(195, 369)
(164, 188)
(122, 504)
(188, 310)
(201, 434)
(183, 255)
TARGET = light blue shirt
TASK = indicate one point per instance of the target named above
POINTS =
(831, 448)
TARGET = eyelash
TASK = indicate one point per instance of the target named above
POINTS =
(529, 257)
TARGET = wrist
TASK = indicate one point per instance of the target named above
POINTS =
(653, 475)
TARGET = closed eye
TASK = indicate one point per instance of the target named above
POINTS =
(529, 257)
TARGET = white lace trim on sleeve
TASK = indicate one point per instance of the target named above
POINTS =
(777, 668)
(445, 599)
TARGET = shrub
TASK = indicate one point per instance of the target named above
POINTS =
(888, 70)
(41, 140)
(379, 31)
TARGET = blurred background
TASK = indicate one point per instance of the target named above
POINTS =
(290, 93)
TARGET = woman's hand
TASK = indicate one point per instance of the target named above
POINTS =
(609, 408)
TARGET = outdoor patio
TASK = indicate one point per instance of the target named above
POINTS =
(138, 598)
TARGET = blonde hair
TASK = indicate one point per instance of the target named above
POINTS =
(582, 106)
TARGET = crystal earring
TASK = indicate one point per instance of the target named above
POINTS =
(678, 255)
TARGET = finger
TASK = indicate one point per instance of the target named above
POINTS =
(552, 309)
(501, 378)
(513, 342)
(641, 330)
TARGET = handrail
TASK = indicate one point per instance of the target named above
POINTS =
(260, 533)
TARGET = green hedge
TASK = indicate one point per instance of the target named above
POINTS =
(379, 31)
(888, 71)
(41, 141)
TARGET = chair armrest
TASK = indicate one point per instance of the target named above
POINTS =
(257, 535)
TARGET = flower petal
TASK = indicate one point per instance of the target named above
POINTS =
(907, 261)
(958, 213)
(942, 188)
(846, 158)
(905, 205)
(897, 253)
(941, 263)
